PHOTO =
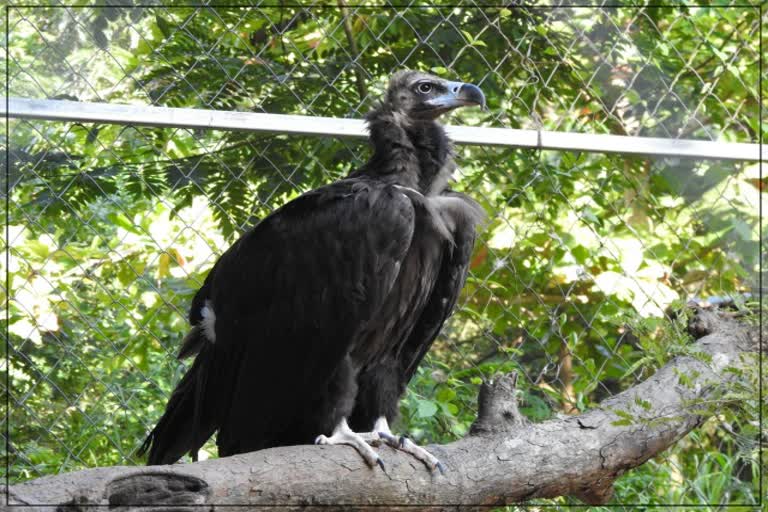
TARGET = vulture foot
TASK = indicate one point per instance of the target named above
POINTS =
(402, 443)
(342, 434)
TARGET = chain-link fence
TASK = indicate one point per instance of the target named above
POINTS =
(112, 228)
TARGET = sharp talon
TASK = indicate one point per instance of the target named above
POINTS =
(441, 467)
(386, 436)
(381, 464)
(402, 441)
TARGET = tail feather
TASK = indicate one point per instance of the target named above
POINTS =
(186, 423)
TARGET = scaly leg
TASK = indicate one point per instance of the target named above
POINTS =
(342, 434)
(381, 428)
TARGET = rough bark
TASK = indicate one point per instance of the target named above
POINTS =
(504, 459)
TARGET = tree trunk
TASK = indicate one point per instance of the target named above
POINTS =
(505, 459)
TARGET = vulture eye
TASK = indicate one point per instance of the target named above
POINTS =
(424, 87)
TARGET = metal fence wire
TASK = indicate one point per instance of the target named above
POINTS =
(111, 229)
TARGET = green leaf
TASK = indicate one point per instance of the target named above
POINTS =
(121, 220)
(165, 27)
(645, 404)
(426, 409)
(623, 414)
(449, 409)
(637, 364)
(580, 254)
(445, 394)
(37, 248)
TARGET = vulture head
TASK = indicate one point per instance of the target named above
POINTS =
(409, 146)
(422, 96)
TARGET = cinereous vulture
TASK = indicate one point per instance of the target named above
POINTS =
(310, 326)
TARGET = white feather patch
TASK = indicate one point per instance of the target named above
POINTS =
(209, 321)
(413, 190)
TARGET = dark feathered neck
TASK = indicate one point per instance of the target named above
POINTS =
(408, 152)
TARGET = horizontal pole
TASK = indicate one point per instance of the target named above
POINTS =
(74, 111)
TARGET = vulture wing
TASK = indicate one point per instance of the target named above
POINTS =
(461, 215)
(285, 303)
(436, 278)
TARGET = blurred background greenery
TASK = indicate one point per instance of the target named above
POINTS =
(113, 228)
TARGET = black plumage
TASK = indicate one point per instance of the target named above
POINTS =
(324, 310)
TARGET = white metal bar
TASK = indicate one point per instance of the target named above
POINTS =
(72, 111)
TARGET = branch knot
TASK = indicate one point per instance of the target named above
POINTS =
(497, 407)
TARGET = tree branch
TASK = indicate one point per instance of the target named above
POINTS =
(362, 91)
(504, 459)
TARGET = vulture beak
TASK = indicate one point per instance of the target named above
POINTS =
(458, 95)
